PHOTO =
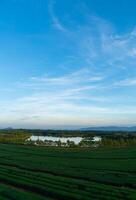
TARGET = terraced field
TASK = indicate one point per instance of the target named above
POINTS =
(39, 173)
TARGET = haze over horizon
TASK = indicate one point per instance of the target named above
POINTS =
(67, 63)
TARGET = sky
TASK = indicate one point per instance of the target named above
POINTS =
(67, 64)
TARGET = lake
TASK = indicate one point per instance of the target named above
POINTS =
(76, 140)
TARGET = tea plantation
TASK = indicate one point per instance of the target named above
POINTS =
(45, 173)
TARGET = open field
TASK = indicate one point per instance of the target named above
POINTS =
(37, 173)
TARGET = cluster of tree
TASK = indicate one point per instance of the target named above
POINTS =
(52, 143)
(71, 144)
(89, 143)
(16, 137)
(118, 142)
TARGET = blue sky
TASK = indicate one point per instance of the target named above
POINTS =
(66, 64)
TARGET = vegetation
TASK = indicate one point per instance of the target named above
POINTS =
(69, 133)
(109, 139)
(37, 173)
(17, 137)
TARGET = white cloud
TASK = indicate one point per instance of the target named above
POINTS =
(56, 22)
(83, 75)
(126, 82)
(53, 109)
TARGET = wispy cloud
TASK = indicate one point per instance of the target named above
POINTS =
(103, 48)
(81, 76)
(87, 95)
(55, 21)
(126, 82)
(45, 110)
(77, 85)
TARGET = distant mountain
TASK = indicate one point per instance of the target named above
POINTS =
(110, 128)
(8, 128)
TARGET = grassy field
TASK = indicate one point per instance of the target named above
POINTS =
(37, 173)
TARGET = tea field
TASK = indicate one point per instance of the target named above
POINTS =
(45, 173)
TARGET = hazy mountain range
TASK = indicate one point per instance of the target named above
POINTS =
(93, 128)
(111, 128)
